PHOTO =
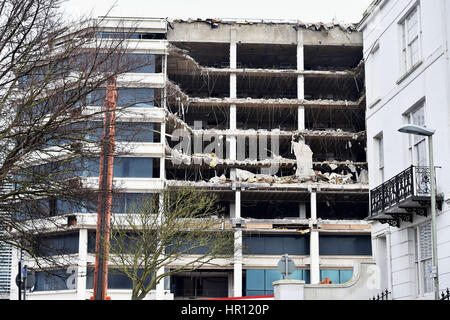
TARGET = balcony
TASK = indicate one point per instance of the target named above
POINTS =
(404, 195)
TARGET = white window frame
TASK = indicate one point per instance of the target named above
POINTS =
(407, 64)
(374, 85)
(416, 141)
(421, 261)
(380, 156)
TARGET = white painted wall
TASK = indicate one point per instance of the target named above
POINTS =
(389, 95)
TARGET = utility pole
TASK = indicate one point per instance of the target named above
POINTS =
(105, 194)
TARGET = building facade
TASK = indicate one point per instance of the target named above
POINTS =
(269, 116)
(407, 80)
(5, 264)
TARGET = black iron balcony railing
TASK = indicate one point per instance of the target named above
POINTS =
(412, 182)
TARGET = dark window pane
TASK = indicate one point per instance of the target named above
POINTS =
(59, 244)
(135, 97)
(345, 245)
(51, 280)
(275, 244)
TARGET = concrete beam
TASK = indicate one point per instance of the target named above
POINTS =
(314, 242)
(264, 33)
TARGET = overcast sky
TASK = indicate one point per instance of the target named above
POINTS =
(304, 10)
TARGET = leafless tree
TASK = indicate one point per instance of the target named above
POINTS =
(51, 71)
(176, 230)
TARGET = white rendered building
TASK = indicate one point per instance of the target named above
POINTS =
(408, 82)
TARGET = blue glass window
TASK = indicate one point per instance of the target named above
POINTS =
(130, 202)
(51, 280)
(141, 63)
(336, 276)
(65, 207)
(125, 131)
(259, 281)
(255, 283)
(124, 167)
(58, 244)
(126, 97)
(135, 97)
(117, 279)
(133, 167)
(134, 131)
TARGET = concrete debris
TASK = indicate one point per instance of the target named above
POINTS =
(303, 154)
(178, 122)
(221, 179)
(277, 132)
(176, 92)
(363, 176)
(280, 101)
(316, 26)
(333, 166)
(304, 172)
(248, 177)
(178, 157)
(213, 162)
(244, 175)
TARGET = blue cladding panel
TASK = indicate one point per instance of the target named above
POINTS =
(272, 245)
(345, 245)
(275, 244)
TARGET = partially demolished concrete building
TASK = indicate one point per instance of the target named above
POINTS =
(272, 116)
(268, 115)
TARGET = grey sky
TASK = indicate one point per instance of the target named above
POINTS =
(305, 10)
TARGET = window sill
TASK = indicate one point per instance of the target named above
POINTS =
(411, 70)
(374, 103)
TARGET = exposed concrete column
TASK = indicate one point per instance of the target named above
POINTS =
(314, 242)
(233, 117)
(237, 203)
(162, 160)
(82, 264)
(300, 79)
(162, 164)
(314, 257)
(237, 268)
(314, 207)
(15, 258)
(160, 284)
